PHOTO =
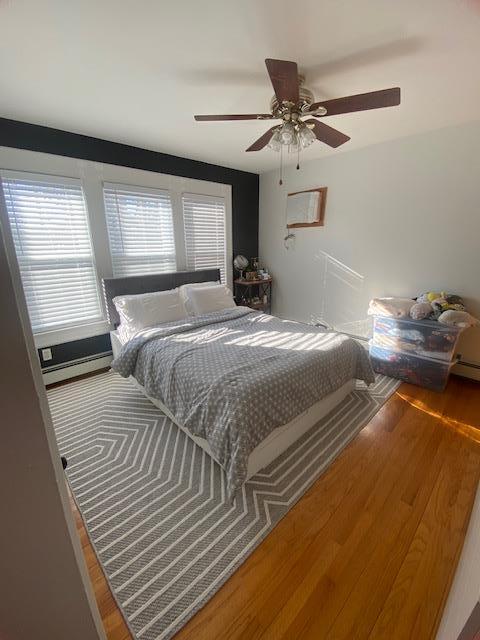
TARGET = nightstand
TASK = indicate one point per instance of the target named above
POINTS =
(256, 294)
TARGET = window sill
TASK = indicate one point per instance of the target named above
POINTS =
(59, 336)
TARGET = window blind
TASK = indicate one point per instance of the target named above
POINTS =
(205, 236)
(140, 230)
(50, 231)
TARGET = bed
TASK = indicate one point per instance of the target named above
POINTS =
(243, 385)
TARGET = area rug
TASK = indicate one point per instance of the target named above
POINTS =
(154, 503)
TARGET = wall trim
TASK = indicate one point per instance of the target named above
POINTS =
(467, 370)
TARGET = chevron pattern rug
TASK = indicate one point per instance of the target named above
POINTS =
(154, 503)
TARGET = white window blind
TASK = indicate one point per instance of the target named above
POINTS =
(49, 224)
(205, 236)
(140, 230)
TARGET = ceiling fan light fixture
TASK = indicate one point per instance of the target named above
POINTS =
(287, 133)
(295, 146)
(275, 142)
(306, 137)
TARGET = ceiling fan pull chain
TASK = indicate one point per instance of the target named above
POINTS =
(280, 182)
(298, 156)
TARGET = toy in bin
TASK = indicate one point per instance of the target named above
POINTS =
(415, 339)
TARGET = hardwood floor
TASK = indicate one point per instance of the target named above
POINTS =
(370, 550)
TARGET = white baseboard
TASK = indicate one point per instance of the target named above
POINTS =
(466, 370)
(71, 371)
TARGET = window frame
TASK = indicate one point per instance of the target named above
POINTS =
(141, 190)
(92, 175)
(82, 329)
(206, 198)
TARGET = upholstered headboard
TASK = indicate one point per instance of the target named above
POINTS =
(147, 283)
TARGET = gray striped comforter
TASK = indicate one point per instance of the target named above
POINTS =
(233, 376)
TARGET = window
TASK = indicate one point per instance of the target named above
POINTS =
(205, 238)
(140, 229)
(49, 224)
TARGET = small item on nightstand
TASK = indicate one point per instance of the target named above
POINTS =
(251, 269)
(255, 293)
(240, 263)
(263, 274)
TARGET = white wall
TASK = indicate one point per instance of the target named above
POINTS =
(45, 590)
(402, 217)
(465, 591)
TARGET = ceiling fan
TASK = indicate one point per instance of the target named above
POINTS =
(293, 102)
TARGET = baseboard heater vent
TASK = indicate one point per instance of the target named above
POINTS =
(73, 363)
(473, 365)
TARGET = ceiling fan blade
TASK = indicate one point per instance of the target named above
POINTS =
(360, 102)
(284, 78)
(241, 116)
(327, 134)
(263, 140)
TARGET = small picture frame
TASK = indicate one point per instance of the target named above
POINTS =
(306, 208)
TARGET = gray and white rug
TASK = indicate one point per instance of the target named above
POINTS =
(154, 503)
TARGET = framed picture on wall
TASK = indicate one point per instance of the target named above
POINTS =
(306, 208)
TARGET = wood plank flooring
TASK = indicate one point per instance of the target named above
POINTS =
(370, 550)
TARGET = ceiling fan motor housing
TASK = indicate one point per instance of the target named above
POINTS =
(306, 99)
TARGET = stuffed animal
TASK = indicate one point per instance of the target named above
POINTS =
(430, 296)
(446, 302)
(439, 302)
(421, 310)
(455, 301)
(447, 308)
(460, 319)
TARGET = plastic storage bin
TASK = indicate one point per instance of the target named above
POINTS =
(425, 338)
(426, 372)
(417, 351)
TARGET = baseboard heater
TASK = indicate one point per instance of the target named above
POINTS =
(77, 367)
(469, 364)
(73, 363)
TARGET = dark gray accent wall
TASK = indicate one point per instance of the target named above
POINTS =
(245, 186)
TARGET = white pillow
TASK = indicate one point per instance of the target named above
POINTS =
(148, 309)
(186, 288)
(210, 299)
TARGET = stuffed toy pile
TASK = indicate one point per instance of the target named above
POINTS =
(447, 308)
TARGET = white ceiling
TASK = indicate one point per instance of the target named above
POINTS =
(136, 72)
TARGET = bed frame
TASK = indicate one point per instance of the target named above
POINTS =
(281, 437)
